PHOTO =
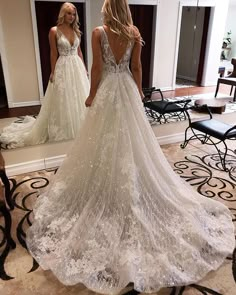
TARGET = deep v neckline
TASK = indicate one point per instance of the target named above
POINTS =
(106, 36)
(71, 45)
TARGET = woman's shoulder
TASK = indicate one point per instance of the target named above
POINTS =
(136, 34)
(97, 30)
(135, 31)
(53, 30)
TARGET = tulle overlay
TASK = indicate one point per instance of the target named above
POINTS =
(63, 106)
(116, 212)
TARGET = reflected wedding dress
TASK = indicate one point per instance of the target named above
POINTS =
(63, 107)
(116, 212)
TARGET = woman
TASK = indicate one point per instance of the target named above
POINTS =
(63, 108)
(116, 212)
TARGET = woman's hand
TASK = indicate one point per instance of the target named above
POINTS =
(51, 78)
(89, 101)
(142, 95)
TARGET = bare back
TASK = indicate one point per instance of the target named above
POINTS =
(117, 44)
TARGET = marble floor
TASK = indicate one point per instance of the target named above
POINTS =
(197, 164)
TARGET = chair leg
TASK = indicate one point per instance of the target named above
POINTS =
(184, 144)
(217, 88)
(234, 93)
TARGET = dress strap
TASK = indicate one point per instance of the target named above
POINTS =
(59, 33)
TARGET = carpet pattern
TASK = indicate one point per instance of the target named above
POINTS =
(197, 164)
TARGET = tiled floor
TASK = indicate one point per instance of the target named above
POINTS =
(195, 164)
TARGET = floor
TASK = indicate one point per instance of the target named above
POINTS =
(197, 164)
(184, 91)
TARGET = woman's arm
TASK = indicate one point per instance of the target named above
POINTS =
(53, 50)
(96, 71)
(136, 66)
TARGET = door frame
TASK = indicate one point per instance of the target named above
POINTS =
(5, 68)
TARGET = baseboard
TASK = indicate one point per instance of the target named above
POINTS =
(35, 165)
(51, 162)
(54, 161)
(178, 137)
(209, 83)
(193, 79)
(23, 104)
(163, 89)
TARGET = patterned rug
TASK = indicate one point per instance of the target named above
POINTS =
(197, 164)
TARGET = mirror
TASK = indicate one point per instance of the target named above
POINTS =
(44, 16)
(161, 62)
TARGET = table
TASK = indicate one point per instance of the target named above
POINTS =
(215, 105)
(227, 81)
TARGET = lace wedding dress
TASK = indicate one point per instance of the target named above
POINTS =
(116, 212)
(63, 108)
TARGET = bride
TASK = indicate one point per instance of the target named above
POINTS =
(63, 108)
(116, 212)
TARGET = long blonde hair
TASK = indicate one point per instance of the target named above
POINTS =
(117, 16)
(60, 19)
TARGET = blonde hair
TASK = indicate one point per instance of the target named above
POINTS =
(117, 16)
(60, 19)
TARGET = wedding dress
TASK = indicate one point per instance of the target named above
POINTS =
(116, 212)
(63, 108)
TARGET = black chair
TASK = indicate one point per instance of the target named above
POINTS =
(211, 132)
(163, 111)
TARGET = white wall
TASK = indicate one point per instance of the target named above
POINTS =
(214, 42)
(167, 41)
(17, 46)
(231, 26)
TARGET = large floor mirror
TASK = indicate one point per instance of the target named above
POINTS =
(177, 50)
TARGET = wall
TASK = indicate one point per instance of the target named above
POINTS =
(230, 25)
(167, 41)
(214, 43)
(17, 39)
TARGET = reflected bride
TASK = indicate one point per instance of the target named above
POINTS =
(64, 103)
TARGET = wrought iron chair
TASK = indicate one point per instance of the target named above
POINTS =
(163, 110)
(207, 130)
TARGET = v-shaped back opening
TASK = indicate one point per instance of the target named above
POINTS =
(109, 44)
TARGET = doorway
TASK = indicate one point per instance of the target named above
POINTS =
(192, 45)
(143, 19)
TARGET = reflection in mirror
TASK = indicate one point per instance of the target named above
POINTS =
(46, 16)
(63, 108)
